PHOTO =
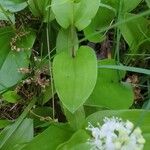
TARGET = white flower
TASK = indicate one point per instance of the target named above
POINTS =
(116, 134)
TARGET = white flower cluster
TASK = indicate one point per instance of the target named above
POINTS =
(115, 134)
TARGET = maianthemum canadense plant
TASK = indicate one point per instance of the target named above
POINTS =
(71, 98)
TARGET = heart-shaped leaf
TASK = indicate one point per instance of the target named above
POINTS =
(63, 11)
(78, 14)
(109, 92)
(85, 11)
(75, 78)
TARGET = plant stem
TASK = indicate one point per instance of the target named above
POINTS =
(117, 51)
(73, 42)
(50, 64)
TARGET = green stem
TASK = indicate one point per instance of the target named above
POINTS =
(117, 51)
(73, 42)
(50, 64)
(72, 28)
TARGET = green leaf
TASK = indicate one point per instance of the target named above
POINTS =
(13, 5)
(41, 8)
(47, 94)
(92, 109)
(134, 32)
(12, 60)
(148, 3)
(138, 117)
(85, 10)
(76, 142)
(16, 61)
(109, 92)
(75, 78)
(66, 40)
(102, 19)
(11, 96)
(63, 10)
(22, 135)
(50, 138)
(7, 134)
(7, 16)
(127, 7)
(42, 113)
(75, 120)
(106, 13)
(79, 14)
(4, 123)
(6, 35)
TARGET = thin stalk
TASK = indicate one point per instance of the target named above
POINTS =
(50, 64)
(72, 35)
(118, 38)
(117, 51)
(49, 54)
(50, 69)
(73, 42)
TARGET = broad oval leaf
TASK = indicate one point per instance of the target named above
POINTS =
(135, 32)
(75, 78)
(109, 92)
(85, 11)
(102, 19)
(63, 10)
(12, 60)
(13, 5)
(23, 134)
(50, 138)
(78, 14)
(6, 35)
